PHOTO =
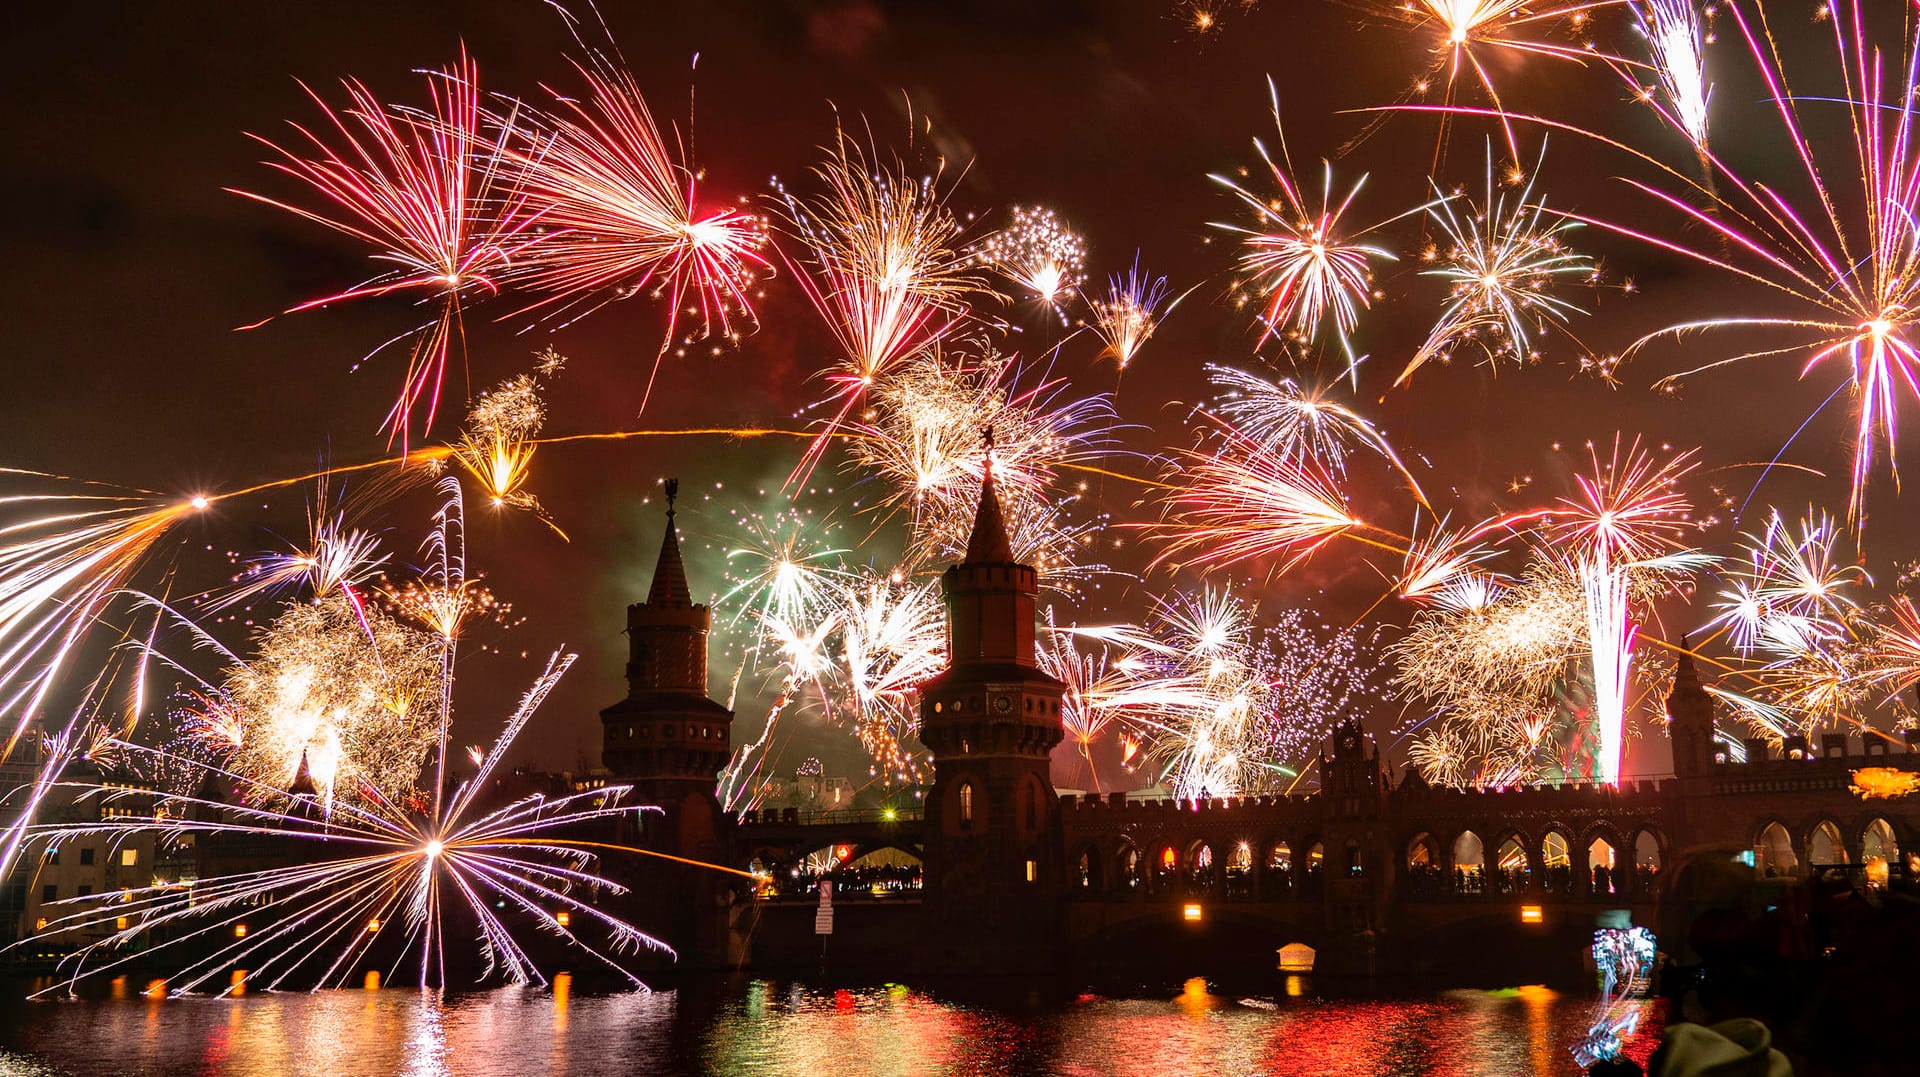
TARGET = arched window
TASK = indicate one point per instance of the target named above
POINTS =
(1130, 874)
(1200, 875)
(1825, 846)
(1556, 862)
(1240, 871)
(1469, 863)
(1646, 852)
(1166, 870)
(966, 803)
(1603, 863)
(1878, 847)
(1316, 864)
(1514, 872)
(1773, 853)
(1423, 865)
(1356, 865)
(1277, 879)
(1089, 870)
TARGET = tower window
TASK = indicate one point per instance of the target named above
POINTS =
(966, 803)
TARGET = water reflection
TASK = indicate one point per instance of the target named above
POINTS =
(764, 1026)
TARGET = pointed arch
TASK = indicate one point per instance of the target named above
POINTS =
(1773, 853)
(1240, 870)
(1825, 845)
(1879, 848)
(1469, 863)
(1276, 872)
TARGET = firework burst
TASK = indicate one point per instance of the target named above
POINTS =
(1502, 262)
(419, 188)
(621, 215)
(1311, 269)
(1039, 253)
(883, 269)
(1127, 317)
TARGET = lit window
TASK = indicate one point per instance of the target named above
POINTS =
(1033, 871)
(129, 857)
(1191, 913)
(563, 918)
(40, 924)
(119, 923)
(239, 931)
(966, 803)
(1531, 914)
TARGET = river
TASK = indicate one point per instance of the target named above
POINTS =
(772, 1027)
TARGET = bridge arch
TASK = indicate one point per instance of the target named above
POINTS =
(1773, 850)
(1556, 861)
(1512, 862)
(1601, 853)
(1469, 863)
(1879, 849)
(1825, 844)
(1202, 867)
(1129, 868)
(1276, 871)
(1088, 876)
(1240, 870)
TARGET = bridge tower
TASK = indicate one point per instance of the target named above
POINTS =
(1360, 864)
(669, 741)
(1690, 720)
(994, 860)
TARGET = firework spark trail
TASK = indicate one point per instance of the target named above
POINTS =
(378, 872)
(1311, 269)
(882, 270)
(922, 438)
(58, 574)
(1677, 38)
(892, 636)
(418, 187)
(497, 445)
(1240, 502)
(1850, 261)
(1630, 512)
(1461, 29)
(1787, 592)
(1130, 313)
(354, 704)
(1501, 265)
(1039, 253)
(1301, 425)
(1223, 706)
(620, 215)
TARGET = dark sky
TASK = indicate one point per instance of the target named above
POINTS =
(127, 267)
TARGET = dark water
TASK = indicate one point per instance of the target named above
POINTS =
(785, 1028)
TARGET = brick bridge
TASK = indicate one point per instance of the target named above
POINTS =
(1372, 872)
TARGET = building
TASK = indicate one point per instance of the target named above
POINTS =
(1373, 872)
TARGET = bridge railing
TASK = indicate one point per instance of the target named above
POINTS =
(837, 817)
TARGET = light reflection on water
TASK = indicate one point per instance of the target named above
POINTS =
(769, 1027)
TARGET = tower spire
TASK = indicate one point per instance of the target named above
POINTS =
(669, 574)
(1686, 676)
(988, 543)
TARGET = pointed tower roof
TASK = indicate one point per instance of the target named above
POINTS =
(303, 779)
(1686, 676)
(988, 543)
(669, 575)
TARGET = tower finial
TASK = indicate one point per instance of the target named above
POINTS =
(669, 575)
(988, 543)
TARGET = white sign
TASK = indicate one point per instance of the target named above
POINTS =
(823, 916)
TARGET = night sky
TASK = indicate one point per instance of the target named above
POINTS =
(127, 268)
